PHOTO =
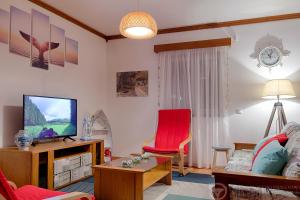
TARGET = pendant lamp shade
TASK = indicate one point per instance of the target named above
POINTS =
(138, 25)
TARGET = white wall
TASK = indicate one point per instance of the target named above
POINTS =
(134, 118)
(85, 82)
(247, 80)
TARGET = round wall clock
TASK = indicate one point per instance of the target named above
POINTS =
(270, 57)
(269, 52)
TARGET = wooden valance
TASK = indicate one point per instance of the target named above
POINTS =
(192, 45)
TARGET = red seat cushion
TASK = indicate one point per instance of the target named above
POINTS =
(27, 192)
(173, 128)
(5, 190)
(30, 192)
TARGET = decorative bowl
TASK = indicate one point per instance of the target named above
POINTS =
(23, 140)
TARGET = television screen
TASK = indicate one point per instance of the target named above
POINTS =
(49, 117)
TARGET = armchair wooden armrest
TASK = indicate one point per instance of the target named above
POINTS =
(240, 146)
(71, 196)
(12, 185)
(184, 142)
(181, 154)
(256, 180)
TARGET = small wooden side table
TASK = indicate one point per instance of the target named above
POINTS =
(220, 149)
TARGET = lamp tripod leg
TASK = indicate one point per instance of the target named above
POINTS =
(281, 117)
(270, 121)
(279, 113)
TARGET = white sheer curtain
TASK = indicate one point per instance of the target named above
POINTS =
(197, 79)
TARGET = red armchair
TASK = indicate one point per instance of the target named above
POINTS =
(172, 136)
(9, 191)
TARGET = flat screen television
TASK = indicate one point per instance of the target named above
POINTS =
(49, 117)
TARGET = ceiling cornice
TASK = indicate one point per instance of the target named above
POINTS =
(68, 17)
(170, 30)
(220, 24)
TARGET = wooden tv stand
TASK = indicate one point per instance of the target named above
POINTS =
(35, 167)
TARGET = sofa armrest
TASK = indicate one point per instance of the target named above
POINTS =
(256, 180)
(72, 196)
(240, 146)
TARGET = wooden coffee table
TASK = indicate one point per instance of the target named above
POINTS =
(113, 182)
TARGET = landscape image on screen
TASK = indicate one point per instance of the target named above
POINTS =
(46, 117)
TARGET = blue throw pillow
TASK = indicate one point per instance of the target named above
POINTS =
(271, 159)
(260, 143)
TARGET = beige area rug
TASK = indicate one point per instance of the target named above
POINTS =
(179, 188)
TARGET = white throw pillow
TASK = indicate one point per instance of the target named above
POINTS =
(292, 168)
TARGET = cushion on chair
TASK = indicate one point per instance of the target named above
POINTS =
(30, 192)
(160, 150)
(238, 192)
(27, 192)
(260, 143)
(281, 138)
(5, 189)
(293, 142)
(292, 168)
(291, 128)
(240, 161)
(173, 128)
(271, 159)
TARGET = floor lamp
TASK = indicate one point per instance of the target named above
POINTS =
(278, 89)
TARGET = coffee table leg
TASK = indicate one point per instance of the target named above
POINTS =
(167, 179)
(139, 191)
(112, 184)
(97, 184)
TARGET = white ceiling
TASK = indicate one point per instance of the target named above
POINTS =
(105, 15)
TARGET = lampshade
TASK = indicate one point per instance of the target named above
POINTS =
(138, 25)
(278, 88)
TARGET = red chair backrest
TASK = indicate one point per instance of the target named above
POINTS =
(5, 190)
(173, 128)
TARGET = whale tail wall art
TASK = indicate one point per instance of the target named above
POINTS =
(40, 37)
(40, 60)
(30, 36)
(57, 55)
(20, 21)
(4, 23)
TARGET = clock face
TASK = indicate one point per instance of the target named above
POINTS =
(270, 56)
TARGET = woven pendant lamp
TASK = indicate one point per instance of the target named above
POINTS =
(138, 25)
